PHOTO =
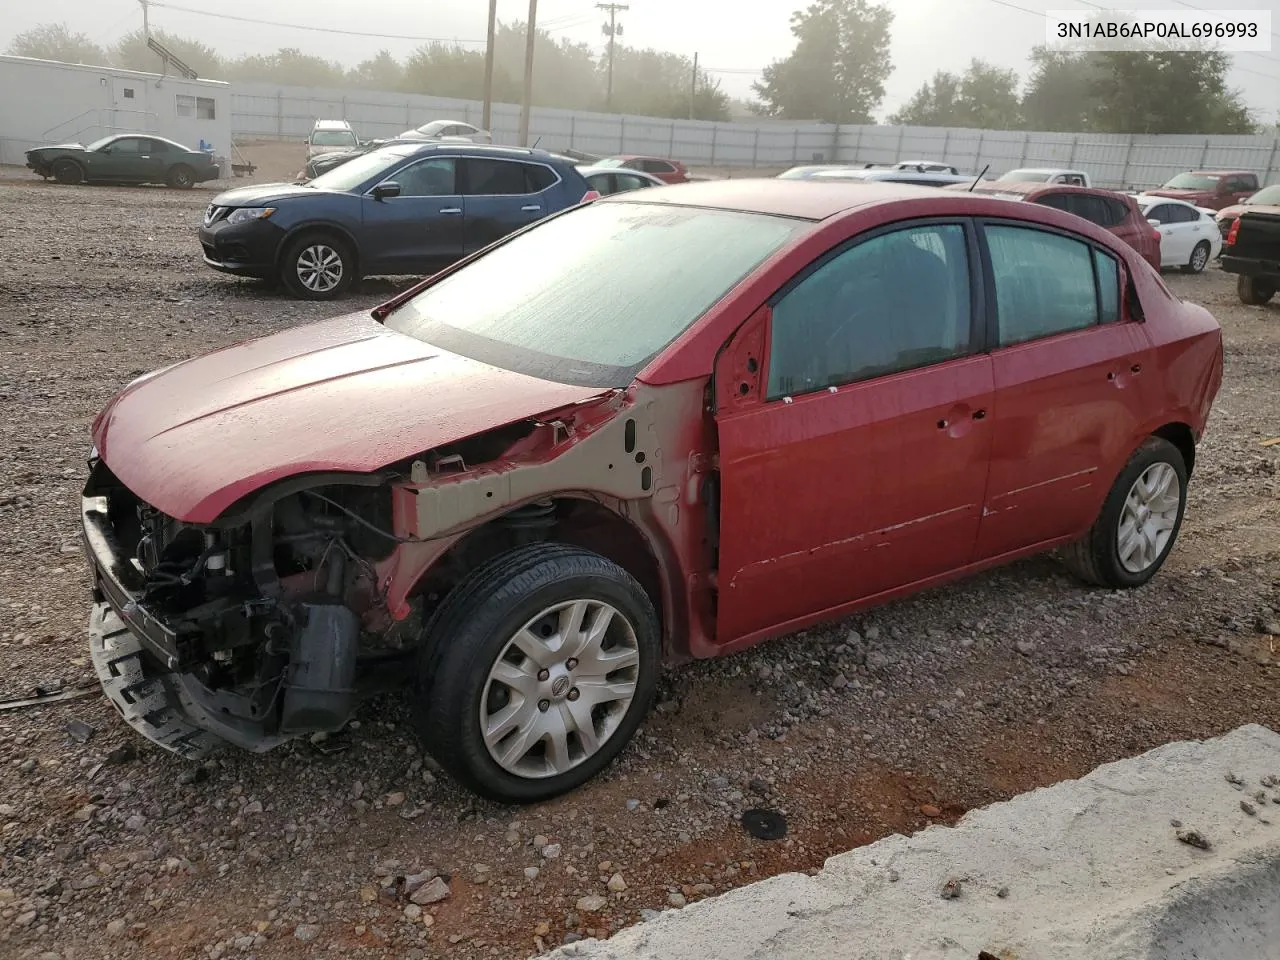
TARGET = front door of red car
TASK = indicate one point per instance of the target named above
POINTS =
(855, 461)
(1070, 385)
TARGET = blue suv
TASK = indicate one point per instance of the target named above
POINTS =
(402, 209)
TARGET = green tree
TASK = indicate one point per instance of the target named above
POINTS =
(382, 72)
(1059, 95)
(447, 70)
(838, 69)
(1166, 92)
(132, 53)
(55, 41)
(289, 66)
(564, 73)
(983, 97)
(652, 83)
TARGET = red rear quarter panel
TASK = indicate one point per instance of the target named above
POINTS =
(1187, 341)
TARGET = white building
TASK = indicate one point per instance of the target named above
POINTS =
(44, 102)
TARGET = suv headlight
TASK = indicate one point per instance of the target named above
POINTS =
(245, 214)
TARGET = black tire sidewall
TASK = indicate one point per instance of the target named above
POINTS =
(289, 265)
(1254, 292)
(1105, 545)
(77, 172)
(448, 713)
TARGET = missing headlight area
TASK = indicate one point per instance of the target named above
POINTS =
(261, 619)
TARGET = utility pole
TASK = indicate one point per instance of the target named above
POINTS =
(611, 30)
(488, 65)
(693, 85)
(146, 26)
(528, 73)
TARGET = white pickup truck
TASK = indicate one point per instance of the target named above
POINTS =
(1075, 178)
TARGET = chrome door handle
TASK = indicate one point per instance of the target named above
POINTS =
(451, 210)
(532, 208)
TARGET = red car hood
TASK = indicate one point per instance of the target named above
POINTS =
(1188, 195)
(342, 395)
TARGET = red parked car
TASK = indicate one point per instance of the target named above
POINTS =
(1117, 212)
(525, 482)
(668, 171)
(1212, 189)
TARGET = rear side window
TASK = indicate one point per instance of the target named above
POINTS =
(489, 178)
(1108, 276)
(1044, 283)
(1180, 214)
(537, 177)
(656, 166)
(433, 177)
(628, 182)
(891, 303)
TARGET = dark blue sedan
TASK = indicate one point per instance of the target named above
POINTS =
(402, 209)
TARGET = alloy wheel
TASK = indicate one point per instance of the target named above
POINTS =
(1148, 518)
(560, 688)
(1199, 257)
(319, 268)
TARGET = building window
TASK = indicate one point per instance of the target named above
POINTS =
(201, 108)
(128, 93)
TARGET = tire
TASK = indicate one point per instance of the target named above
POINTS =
(301, 257)
(68, 171)
(1253, 291)
(146, 697)
(1096, 558)
(1199, 258)
(472, 632)
(181, 177)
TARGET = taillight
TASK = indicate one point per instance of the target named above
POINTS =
(1233, 232)
(589, 196)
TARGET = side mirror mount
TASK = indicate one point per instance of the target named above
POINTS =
(388, 189)
(1154, 223)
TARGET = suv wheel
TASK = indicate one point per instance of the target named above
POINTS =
(1139, 521)
(1253, 291)
(537, 670)
(317, 266)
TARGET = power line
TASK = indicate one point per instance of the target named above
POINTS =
(314, 29)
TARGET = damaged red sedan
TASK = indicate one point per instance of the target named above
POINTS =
(665, 425)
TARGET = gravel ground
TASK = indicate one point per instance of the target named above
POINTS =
(912, 713)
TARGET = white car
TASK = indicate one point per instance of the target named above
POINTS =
(1075, 178)
(448, 130)
(925, 166)
(911, 176)
(1189, 235)
(331, 136)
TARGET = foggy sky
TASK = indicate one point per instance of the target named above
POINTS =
(732, 44)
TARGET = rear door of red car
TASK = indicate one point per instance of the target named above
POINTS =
(1068, 363)
(855, 460)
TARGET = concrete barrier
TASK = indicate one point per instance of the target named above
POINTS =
(1089, 868)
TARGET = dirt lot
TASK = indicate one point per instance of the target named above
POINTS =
(921, 710)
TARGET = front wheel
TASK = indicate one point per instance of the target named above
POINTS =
(1139, 521)
(181, 177)
(68, 171)
(1199, 258)
(317, 266)
(537, 670)
(1253, 291)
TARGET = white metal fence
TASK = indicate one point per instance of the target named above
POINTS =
(267, 111)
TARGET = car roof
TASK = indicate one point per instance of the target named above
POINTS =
(415, 147)
(1044, 170)
(332, 125)
(1222, 173)
(802, 199)
(1030, 189)
(586, 169)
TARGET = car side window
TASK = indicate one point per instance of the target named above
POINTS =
(1044, 283)
(893, 302)
(488, 178)
(432, 177)
(656, 166)
(1059, 201)
(1182, 214)
(628, 182)
(1108, 277)
(1162, 212)
(537, 177)
(601, 183)
(129, 146)
(157, 146)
